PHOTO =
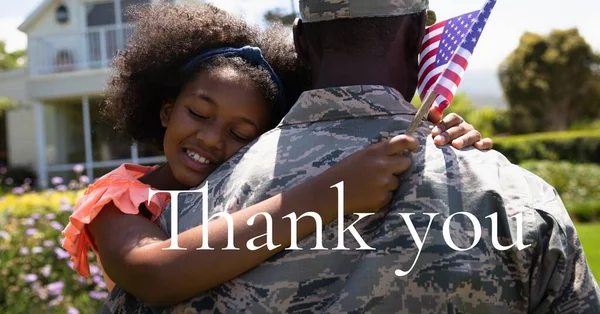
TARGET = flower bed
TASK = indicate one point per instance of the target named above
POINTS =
(36, 272)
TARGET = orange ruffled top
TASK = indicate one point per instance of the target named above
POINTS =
(122, 187)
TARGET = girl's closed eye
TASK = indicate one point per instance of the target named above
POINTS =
(245, 131)
(196, 115)
(241, 137)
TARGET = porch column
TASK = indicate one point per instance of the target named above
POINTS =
(119, 25)
(87, 137)
(42, 163)
(134, 153)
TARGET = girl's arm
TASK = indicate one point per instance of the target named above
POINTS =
(131, 247)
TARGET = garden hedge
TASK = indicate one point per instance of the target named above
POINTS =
(574, 146)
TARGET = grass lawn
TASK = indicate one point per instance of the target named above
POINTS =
(590, 237)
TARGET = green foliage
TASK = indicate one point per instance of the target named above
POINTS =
(573, 146)
(577, 184)
(279, 15)
(15, 177)
(487, 120)
(10, 60)
(550, 82)
(36, 274)
(589, 233)
(579, 126)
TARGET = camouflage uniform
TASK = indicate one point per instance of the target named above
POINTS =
(551, 276)
(327, 125)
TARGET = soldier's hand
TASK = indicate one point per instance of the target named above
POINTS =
(453, 129)
(371, 175)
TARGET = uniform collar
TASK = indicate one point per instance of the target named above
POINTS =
(347, 102)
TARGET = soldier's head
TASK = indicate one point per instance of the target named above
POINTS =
(385, 33)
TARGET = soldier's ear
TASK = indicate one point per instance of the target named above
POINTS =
(425, 18)
(301, 42)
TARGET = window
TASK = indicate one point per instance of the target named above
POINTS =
(104, 13)
(64, 133)
(106, 143)
(99, 14)
(126, 5)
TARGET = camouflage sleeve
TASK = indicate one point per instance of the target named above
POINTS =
(563, 281)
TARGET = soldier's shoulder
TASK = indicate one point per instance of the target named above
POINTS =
(517, 185)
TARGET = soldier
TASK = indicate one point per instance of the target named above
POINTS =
(466, 231)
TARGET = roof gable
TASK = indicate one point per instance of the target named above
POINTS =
(36, 15)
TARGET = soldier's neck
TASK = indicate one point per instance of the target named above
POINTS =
(346, 70)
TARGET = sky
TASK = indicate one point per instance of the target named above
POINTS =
(509, 20)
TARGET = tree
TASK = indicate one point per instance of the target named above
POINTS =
(487, 120)
(10, 60)
(551, 82)
(280, 15)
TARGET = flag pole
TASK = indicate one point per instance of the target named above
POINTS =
(421, 113)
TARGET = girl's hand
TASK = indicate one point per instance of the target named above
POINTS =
(370, 175)
(453, 129)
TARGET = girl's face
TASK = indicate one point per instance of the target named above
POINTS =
(214, 116)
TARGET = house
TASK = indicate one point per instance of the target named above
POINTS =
(56, 124)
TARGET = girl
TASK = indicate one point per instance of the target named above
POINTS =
(193, 82)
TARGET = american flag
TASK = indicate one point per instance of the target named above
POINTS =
(446, 49)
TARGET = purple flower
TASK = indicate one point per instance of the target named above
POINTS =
(41, 291)
(4, 234)
(3, 170)
(46, 270)
(56, 301)
(56, 225)
(94, 270)
(27, 181)
(84, 180)
(55, 288)
(61, 254)
(81, 280)
(36, 250)
(8, 181)
(29, 222)
(72, 310)
(101, 285)
(36, 216)
(61, 188)
(18, 190)
(31, 231)
(24, 251)
(50, 216)
(78, 168)
(98, 295)
(30, 278)
(57, 180)
(97, 279)
(48, 243)
(70, 264)
(66, 208)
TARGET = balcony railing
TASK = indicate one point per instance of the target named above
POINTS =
(92, 49)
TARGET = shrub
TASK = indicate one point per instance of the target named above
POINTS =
(13, 177)
(573, 146)
(577, 184)
(36, 272)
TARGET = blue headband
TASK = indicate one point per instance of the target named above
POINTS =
(248, 53)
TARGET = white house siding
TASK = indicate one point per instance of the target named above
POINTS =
(47, 24)
(67, 85)
(13, 85)
(20, 125)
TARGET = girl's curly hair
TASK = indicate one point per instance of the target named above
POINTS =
(146, 75)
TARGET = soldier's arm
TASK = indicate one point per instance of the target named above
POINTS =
(562, 281)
